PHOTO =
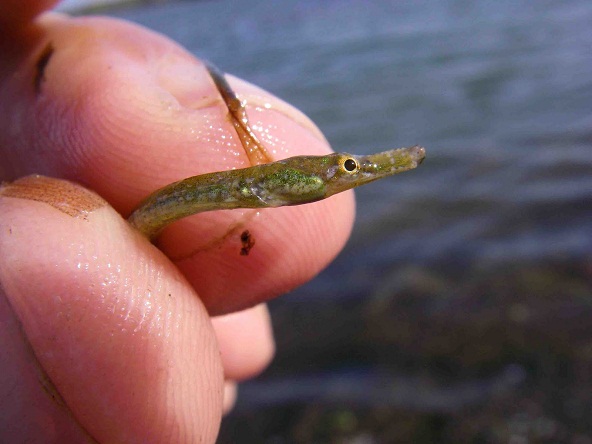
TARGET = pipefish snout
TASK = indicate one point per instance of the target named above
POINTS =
(292, 181)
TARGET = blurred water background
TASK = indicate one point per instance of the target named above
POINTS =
(461, 309)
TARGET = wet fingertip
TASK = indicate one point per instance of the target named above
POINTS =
(66, 197)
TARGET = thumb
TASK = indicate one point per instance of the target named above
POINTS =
(102, 336)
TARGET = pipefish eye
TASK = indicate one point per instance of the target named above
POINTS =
(349, 165)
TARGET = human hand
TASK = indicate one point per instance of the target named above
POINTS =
(103, 334)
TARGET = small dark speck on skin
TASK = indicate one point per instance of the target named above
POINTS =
(247, 241)
(40, 66)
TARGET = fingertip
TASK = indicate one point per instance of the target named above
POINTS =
(246, 342)
(230, 394)
(133, 129)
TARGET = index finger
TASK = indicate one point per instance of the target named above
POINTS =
(126, 111)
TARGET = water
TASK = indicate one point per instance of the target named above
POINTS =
(479, 261)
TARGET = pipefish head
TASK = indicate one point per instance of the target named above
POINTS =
(303, 179)
(343, 171)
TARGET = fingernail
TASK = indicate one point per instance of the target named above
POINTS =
(64, 196)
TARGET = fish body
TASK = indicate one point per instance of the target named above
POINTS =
(293, 181)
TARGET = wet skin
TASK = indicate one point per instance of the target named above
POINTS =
(107, 337)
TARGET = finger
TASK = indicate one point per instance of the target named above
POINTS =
(245, 339)
(230, 394)
(126, 111)
(246, 342)
(124, 347)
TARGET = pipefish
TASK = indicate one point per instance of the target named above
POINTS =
(293, 181)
